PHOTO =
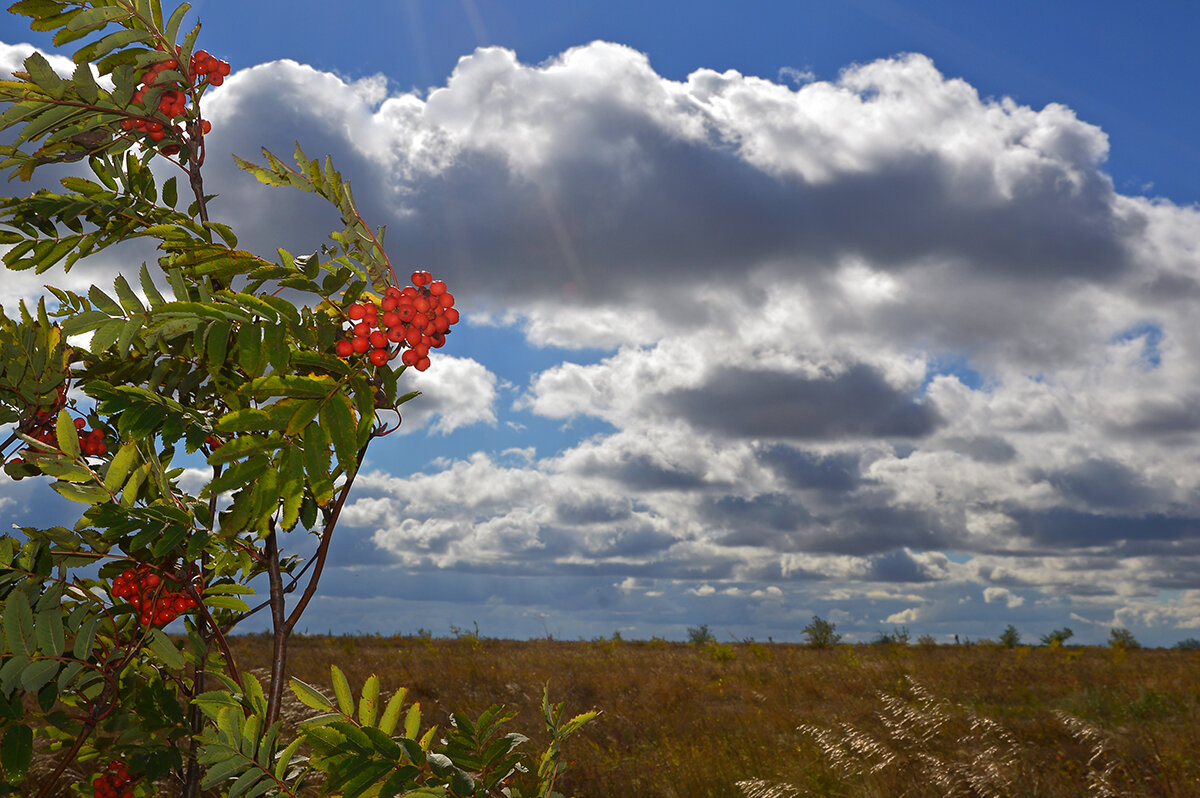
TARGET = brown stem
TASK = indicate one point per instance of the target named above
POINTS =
(282, 631)
(67, 758)
(323, 549)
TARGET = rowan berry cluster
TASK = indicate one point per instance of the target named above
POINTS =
(147, 591)
(414, 319)
(172, 102)
(40, 426)
(113, 782)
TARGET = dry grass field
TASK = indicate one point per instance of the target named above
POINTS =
(774, 721)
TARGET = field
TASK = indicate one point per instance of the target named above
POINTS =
(694, 721)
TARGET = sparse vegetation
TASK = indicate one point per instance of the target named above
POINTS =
(821, 633)
(1058, 637)
(1122, 639)
(678, 721)
(1010, 637)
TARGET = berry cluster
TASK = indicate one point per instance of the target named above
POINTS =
(40, 426)
(113, 782)
(417, 317)
(172, 102)
(146, 590)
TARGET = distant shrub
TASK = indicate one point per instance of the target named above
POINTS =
(899, 635)
(1122, 639)
(1010, 637)
(927, 641)
(1058, 637)
(700, 635)
(820, 633)
(1190, 644)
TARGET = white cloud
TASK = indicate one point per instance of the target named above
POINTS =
(846, 326)
(1004, 595)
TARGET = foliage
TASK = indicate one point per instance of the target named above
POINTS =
(1122, 639)
(1010, 637)
(218, 354)
(821, 633)
(700, 635)
(1188, 644)
(1058, 637)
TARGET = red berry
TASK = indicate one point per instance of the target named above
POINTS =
(379, 357)
(216, 79)
(451, 315)
(378, 340)
(447, 300)
(360, 344)
(356, 312)
(344, 348)
(409, 358)
(422, 364)
(437, 288)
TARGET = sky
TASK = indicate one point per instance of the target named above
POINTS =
(879, 311)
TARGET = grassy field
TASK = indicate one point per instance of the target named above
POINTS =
(785, 720)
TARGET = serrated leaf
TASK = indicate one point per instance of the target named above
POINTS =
(83, 322)
(226, 603)
(106, 335)
(85, 83)
(38, 674)
(50, 634)
(43, 75)
(310, 696)
(149, 289)
(368, 702)
(85, 638)
(412, 721)
(66, 435)
(341, 689)
(16, 753)
(391, 713)
(120, 466)
(19, 632)
(129, 300)
(337, 417)
(165, 650)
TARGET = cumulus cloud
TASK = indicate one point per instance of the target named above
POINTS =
(847, 327)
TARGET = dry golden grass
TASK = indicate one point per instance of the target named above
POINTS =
(688, 721)
(785, 721)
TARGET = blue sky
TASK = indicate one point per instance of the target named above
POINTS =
(882, 311)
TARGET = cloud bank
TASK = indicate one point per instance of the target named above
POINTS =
(874, 345)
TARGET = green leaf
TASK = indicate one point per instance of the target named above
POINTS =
(310, 696)
(96, 16)
(84, 494)
(129, 300)
(341, 689)
(391, 713)
(104, 302)
(165, 650)
(249, 419)
(412, 721)
(227, 603)
(171, 31)
(43, 75)
(85, 83)
(317, 463)
(50, 634)
(85, 638)
(120, 466)
(368, 703)
(16, 753)
(149, 289)
(38, 674)
(85, 321)
(289, 385)
(244, 446)
(19, 632)
(106, 335)
(337, 416)
(66, 434)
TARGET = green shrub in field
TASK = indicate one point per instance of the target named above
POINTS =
(821, 633)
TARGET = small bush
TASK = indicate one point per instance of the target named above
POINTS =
(820, 633)
(700, 635)
(1010, 637)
